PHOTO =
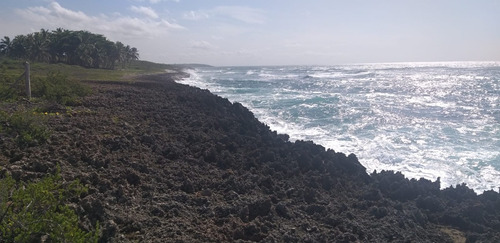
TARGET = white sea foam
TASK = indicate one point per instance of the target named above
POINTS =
(425, 119)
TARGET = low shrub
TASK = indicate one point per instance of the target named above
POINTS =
(37, 211)
(9, 89)
(58, 88)
(27, 128)
(53, 87)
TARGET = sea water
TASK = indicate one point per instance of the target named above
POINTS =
(426, 120)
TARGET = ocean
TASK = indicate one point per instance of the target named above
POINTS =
(426, 120)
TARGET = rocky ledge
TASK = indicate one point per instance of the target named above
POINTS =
(165, 162)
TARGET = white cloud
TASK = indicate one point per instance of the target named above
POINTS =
(202, 45)
(57, 10)
(243, 14)
(117, 26)
(196, 15)
(149, 12)
(169, 25)
(292, 44)
(157, 1)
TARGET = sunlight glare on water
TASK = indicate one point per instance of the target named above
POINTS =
(424, 119)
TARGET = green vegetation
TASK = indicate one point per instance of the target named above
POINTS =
(58, 88)
(81, 48)
(80, 55)
(50, 83)
(55, 87)
(37, 211)
(59, 60)
(11, 69)
(27, 128)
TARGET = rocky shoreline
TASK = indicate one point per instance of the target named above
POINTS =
(165, 162)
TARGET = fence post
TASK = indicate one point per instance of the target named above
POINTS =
(27, 79)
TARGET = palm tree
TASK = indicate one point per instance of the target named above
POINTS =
(19, 47)
(39, 46)
(131, 54)
(72, 47)
(104, 52)
(57, 45)
(119, 53)
(5, 45)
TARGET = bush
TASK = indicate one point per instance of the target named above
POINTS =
(54, 87)
(37, 211)
(57, 87)
(27, 128)
(9, 90)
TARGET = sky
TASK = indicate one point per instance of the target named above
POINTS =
(275, 32)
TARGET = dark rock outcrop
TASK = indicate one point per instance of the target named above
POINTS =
(165, 162)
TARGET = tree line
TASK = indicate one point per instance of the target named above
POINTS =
(71, 47)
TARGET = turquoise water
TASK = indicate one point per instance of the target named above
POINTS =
(424, 119)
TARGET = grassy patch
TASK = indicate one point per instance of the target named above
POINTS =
(27, 128)
(11, 81)
(47, 82)
(37, 211)
(58, 88)
(11, 68)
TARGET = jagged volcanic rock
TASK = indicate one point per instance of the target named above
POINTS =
(165, 162)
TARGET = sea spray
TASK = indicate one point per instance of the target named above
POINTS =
(424, 119)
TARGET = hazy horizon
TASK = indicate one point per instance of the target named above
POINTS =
(273, 33)
(445, 63)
